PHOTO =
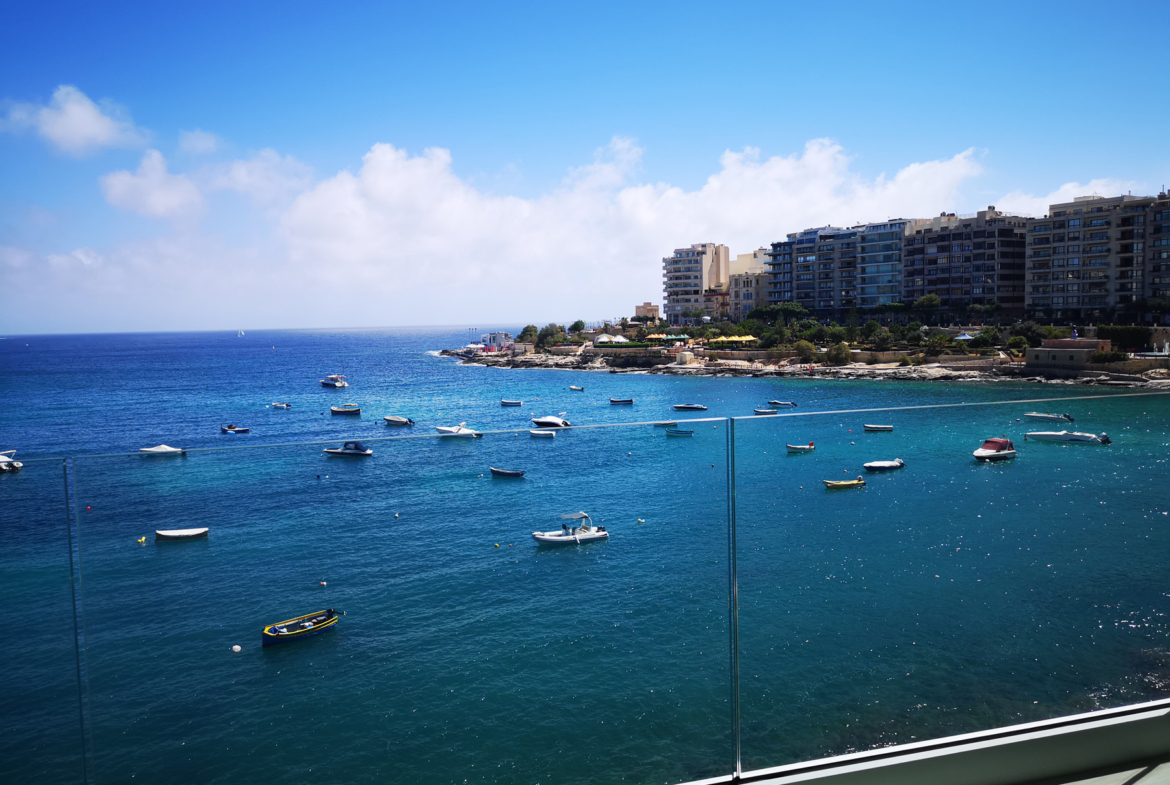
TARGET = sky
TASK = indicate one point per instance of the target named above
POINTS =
(297, 165)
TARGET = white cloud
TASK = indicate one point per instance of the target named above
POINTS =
(74, 124)
(153, 191)
(268, 177)
(1029, 204)
(198, 142)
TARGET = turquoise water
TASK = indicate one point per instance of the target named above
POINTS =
(949, 596)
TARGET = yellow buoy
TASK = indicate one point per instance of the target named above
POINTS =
(497, 545)
(142, 539)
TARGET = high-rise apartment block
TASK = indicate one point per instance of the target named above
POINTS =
(1095, 253)
(687, 274)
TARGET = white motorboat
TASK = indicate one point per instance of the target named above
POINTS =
(884, 466)
(799, 448)
(575, 388)
(1068, 436)
(394, 419)
(350, 448)
(460, 431)
(878, 428)
(544, 434)
(765, 412)
(690, 407)
(1000, 449)
(573, 535)
(8, 462)
(278, 405)
(550, 422)
(1048, 417)
(506, 402)
(180, 534)
(162, 449)
(621, 401)
(782, 404)
(334, 380)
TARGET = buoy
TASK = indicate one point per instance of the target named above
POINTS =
(629, 453)
(395, 515)
(853, 442)
(237, 649)
(88, 508)
(323, 583)
(142, 539)
(497, 545)
(641, 521)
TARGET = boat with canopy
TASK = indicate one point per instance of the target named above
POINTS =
(334, 380)
(573, 535)
(350, 448)
(8, 462)
(1000, 449)
(551, 421)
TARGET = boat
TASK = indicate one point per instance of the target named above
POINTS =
(278, 405)
(621, 401)
(550, 422)
(765, 411)
(350, 448)
(1048, 417)
(460, 431)
(878, 428)
(1000, 449)
(544, 434)
(180, 534)
(836, 485)
(163, 449)
(666, 424)
(301, 627)
(1069, 436)
(334, 380)
(506, 402)
(679, 432)
(690, 407)
(240, 334)
(505, 472)
(394, 419)
(8, 462)
(884, 466)
(346, 408)
(799, 448)
(573, 535)
(233, 429)
(576, 388)
(782, 404)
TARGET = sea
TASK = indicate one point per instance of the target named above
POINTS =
(945, 597)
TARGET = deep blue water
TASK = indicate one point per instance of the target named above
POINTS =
(947, 597)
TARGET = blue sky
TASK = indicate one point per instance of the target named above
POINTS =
(617, 115)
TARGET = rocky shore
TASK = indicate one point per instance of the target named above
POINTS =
(979, 372)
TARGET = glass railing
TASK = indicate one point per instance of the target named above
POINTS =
(944, 596)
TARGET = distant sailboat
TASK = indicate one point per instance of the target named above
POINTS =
(240, 334)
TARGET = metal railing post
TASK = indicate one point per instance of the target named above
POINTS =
(73, 539)
(733, 598)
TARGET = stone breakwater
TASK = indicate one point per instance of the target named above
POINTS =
(664, 366)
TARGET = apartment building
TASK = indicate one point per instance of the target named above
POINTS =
(966, 259)
(779, 266)
(690, 272)
(1097, 253)
(748, 282)
(879, 262)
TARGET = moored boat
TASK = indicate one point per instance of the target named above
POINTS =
(233, 429)
(350, 448)
(506, 472)
(679, 432)
(1068, 436)
(542, 434)
(550, 422)
(666, 424)
(878, 428)
(394, 419)
(460, 431)
(764, 412)
(1000, 449)
(837, 485)
(575, 388)
(180, 534)
(884, 466)
(301, 627)
(8, 462)
(690, 407)
(334, 380)
(162, 449)
(280, 405)
(506, 402)
(346, 408)
(782, 404)
(1048, 417)
(573, 535)
(800, 448)
(621, 401)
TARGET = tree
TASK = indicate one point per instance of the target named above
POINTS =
(881, 340)
(928, 302)
(869, 329)
(780, 313)
(837, 334)
(1017, 342)
(624, 322)
(577, 326)
(805, 349)
(528, 334)
(1033, 333)
(550, 334)
(839, 354)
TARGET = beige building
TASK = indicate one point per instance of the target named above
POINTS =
(688, 273)
(646, 310)
(748, 282)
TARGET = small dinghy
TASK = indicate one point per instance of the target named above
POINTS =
(782, 404)
(506, 402)
(576, 388)
(678, 432)
(350, 448)
(179, 534)
(346, 408)
(764, 412)
(1000, 449)
(505, 472)
(162, 449)
(394, 419)
(666, 424)
(621, 401)
(837, 485)
(690, 407)
(573, 535)
(1048, 417)
(460, 431)
(884, 466)
(799, 448)
(334, 380)
(8, 462)
(233, 429)
(300, 627)
(1069, 436)
(544, 434)
(279, 405)
(550, 422)
(878, 428)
